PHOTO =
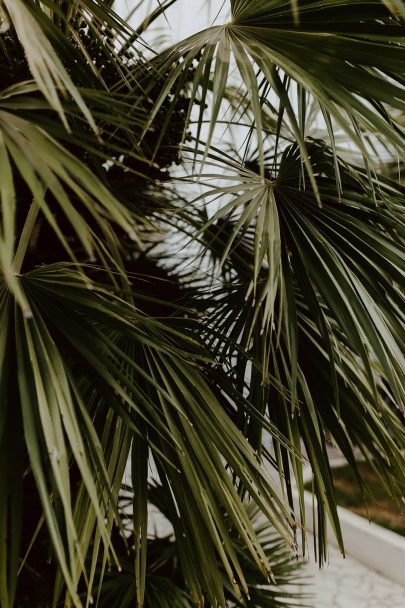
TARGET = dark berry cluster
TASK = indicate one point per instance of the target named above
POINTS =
(13, 64)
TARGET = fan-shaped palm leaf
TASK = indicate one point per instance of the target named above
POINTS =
(365, 58)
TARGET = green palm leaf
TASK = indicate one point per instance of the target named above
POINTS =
(163, 592)
(186, 442)
(339, 274)
(45, 65)
(365, 57)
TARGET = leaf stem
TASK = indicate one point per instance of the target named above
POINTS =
(25, 237)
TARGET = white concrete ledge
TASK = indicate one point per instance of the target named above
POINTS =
(376, 547)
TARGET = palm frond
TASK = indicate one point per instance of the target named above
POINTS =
(366, 57)
(189, 443)
(30, 22)
(163, 590)
(347, 291)
(276, 329)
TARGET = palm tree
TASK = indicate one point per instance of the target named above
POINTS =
(277, 327)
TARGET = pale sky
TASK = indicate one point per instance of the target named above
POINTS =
(185, 17)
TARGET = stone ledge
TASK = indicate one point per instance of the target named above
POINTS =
(374, 546)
